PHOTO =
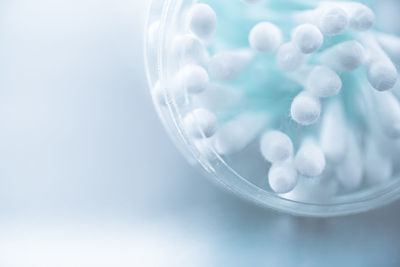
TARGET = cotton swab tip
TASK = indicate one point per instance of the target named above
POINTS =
(382, 75)
(289, 57)
(194, 79)
(228, 65)
(200, 122)
(333, 20)
(308, 38)
(265, 37)
(202, 21)
(282, 177)
(305, 109)
(310, 160)
(362, 17)
(323, 82)
(276, 146)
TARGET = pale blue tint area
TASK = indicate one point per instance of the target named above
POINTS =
(88, 177)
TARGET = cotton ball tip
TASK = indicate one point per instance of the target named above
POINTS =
(349, 55)
(202, 21)
(289, 57)
(228, 65)
(188, 49)
(306, 109)
(194, 79)
(276, 146)
(333, 20)
(282, 177)
(310, 160)
(265, 37)
(362, 19)
(382, 76)
(308, 38)
(200, 122)
(324, 82)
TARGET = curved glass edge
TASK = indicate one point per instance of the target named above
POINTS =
(220, 172)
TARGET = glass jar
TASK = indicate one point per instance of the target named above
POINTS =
(245, 172)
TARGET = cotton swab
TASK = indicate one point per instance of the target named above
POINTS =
(188, 49)
(282, 177)
(378, 165)
(310, 160)
(333, 137)
(305, 109)
(388, 109)
(276, 146)
(289, 57)
(361, 17)
(344, 57)
(350, 172)
(381, 72)
(323, 82)
(202, 21)
(391, 45)
(320, 190)
(200, 122)
(218, 97)
(265, 37)
(237, 134)
(228, 65)
(193, 79)
(308, 38)
(330, 19)
(163, 96)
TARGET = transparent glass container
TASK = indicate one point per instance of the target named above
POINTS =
(242, 174)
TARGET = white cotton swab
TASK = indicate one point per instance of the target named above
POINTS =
(218, 97)
(305, 109)
(188, 49)
(289, 57)
(391, 45)
(237, 134)
(227, 66)
(333, 137)
(344, 57)
(265, 37)
(308, 38)
(319, 190)
(200, 123)
(276, 146)
(381, 72)
(202, 21)
(378, 165)
(350, 172)
(323, 82)
(361, 17)
(283, 177)
(163, 97)
(310, 160)
(330, 19)
(193, 79)
(388, 109)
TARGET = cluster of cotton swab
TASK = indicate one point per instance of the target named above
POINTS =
(317, 68)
